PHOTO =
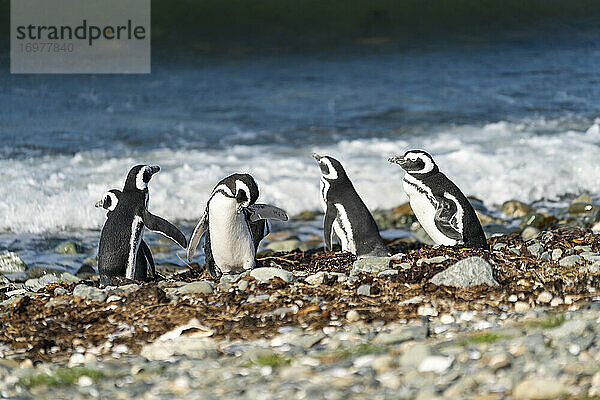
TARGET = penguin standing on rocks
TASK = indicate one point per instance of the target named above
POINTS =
(345, 213)
(439, 205)
(144, 260)
(122, 233)
(234, 226)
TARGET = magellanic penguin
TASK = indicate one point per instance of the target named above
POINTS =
(143, 260)
(345, 213)
(439, 205)
(234, 226)
(123, 230)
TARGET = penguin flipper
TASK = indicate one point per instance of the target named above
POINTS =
(164, 227)
(199, 231)
(265, 211)
(148, 254)
(444, 214)
(330, 216)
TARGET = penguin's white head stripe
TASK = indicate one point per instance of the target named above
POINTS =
(225, 189)
(242, 193)
(331, 169)
(416, 162)
(109, 200)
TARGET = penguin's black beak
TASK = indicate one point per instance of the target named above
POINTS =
(316, 156)
(397, 160)
(154, 169)
(99, 203)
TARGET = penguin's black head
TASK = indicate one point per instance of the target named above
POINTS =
(331, 169)
(241, 187)
(109, 200)
(139, 176)
(416, 162)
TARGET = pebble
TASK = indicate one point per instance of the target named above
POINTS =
(437, 364)
(539, 389)
(267, 273)
(89, 292)
(432, 260)
(427, 311)
(530, 233)
(544, 297)
(570, 260)
(315, 279)
(352, 316)
(383, 363)
(556, 254)
(535, 249)
(204, 287)
(521, 306)
(364, 290)
(556, 301)
(499, 361)
(370, 265)
(466, 273)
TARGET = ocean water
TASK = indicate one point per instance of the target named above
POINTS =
(510, 121)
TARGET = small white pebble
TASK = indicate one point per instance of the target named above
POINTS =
(513, 298)
(85, 381)
(521, 306)
(556, 301)
(446, 319)
(544, 297)
(120, 349)
(353, 316)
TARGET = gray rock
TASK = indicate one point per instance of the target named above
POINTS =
(68, 247)
(370, 265)
(10, 263)
(38, 283)
(399, 334)
(499, 246)
(125, 289)
(529, 233)
(56, 302)
(242, 285)
(568, 330)
(592, 268)
(387, 272)
(466, 273)
(191, 347)
(38, 271)
(515, 250)
(89, 292)
(546, 255)
(556, 254)
(267, 273)
(204, 287)
(432, 260)
(287, 245)
(539, 389)
(364, 290)
(413, 357)
(570, 260)
(535, 249)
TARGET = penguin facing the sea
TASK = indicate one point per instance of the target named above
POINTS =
(123, 230)
(233, 226)
(346, 215)
(439, 205)
(145, 269)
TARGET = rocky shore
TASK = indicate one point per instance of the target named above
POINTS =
(517, 321)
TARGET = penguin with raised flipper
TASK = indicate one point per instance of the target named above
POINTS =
(439, 205)
(346, 215)
(233, 226)
(122, 233)
(144, 260)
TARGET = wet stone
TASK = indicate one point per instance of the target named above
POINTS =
(204, 287)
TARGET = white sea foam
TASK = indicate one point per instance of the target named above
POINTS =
(495, 162)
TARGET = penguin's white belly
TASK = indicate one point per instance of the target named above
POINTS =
(230, 240)
(343, 229)
(424, 210)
